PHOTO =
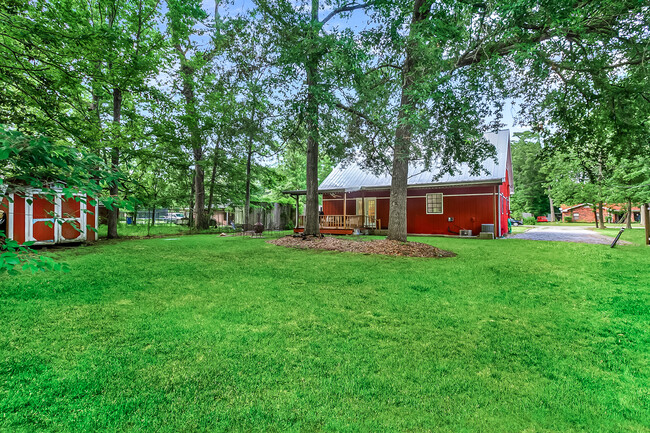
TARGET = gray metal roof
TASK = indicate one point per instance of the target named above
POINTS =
(351, 177)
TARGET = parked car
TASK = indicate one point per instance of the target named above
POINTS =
(173, 218)
(514, 222)
(542, 219)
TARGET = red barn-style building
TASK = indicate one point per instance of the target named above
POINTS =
(437, 205)
(30, 217)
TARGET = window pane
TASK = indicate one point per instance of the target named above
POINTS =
(434, 203)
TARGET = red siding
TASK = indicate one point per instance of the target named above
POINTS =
(469, 206)
(383, 210)
(333, 207)
(19, 219)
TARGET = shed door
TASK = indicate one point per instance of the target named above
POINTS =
(39, 220)
(74, 227)
(41, 225)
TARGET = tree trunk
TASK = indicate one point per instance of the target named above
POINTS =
(550, 202)
(629, 214)
(191, 218)
(312, 226)
(596, 217)
(153, 216)
(187, 71)
(200, 222)
(247, 205)
(213, 178)
(397, 229)
(601, 215)
(114, 214)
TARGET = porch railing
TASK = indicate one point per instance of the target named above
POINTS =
(344, 221)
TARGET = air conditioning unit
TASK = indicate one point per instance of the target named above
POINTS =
(466, 233)
(487, 228)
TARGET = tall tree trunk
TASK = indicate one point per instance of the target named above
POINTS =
(247, 205)
(191, 218)
(596, 217)
(187, 71)
(113, 215)
(601, 215)
(629, 214)
(312, 226)
(397, 229)
(213, 179)
(550, 203)
(153, 216)
(200, 222)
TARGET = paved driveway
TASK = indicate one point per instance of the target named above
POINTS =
(565, 234)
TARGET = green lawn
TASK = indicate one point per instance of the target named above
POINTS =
(635, 235)
(229, 334)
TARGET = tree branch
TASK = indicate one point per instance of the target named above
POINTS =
(357, 113)
(345, 8)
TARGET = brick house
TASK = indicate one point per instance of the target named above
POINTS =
(588, 213)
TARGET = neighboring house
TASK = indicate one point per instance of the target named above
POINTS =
(354, 198)
(588, 212)
(30, 217)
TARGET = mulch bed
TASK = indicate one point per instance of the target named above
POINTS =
(382, 246)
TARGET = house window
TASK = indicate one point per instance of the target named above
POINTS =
(434, 203)
(576, 216)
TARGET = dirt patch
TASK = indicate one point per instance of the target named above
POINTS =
(382, 246)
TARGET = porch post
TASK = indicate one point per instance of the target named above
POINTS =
(363, 208)
(345, 210)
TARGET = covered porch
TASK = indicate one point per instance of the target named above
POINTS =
(362, 217)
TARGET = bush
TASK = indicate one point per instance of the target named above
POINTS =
(530, 221)
(568, 219)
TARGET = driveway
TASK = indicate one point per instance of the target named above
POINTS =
(565, 234)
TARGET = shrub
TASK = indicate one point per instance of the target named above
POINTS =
(530, 221)
(568, 219)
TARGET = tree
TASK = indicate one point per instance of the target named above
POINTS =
(303, 47)
(76, 65)
(197, 74)
(530, 179)
(451, 64)
(57, 169)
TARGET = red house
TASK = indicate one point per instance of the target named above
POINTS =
(31, 217)
(446, 205)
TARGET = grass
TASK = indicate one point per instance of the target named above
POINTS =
(636, 235)
(214, 334)
(519, 229)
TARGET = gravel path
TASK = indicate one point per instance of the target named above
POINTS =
(565, 234)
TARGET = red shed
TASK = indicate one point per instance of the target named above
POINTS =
(31, 217)
(448, 204)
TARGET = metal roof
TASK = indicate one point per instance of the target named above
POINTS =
(351, 177)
